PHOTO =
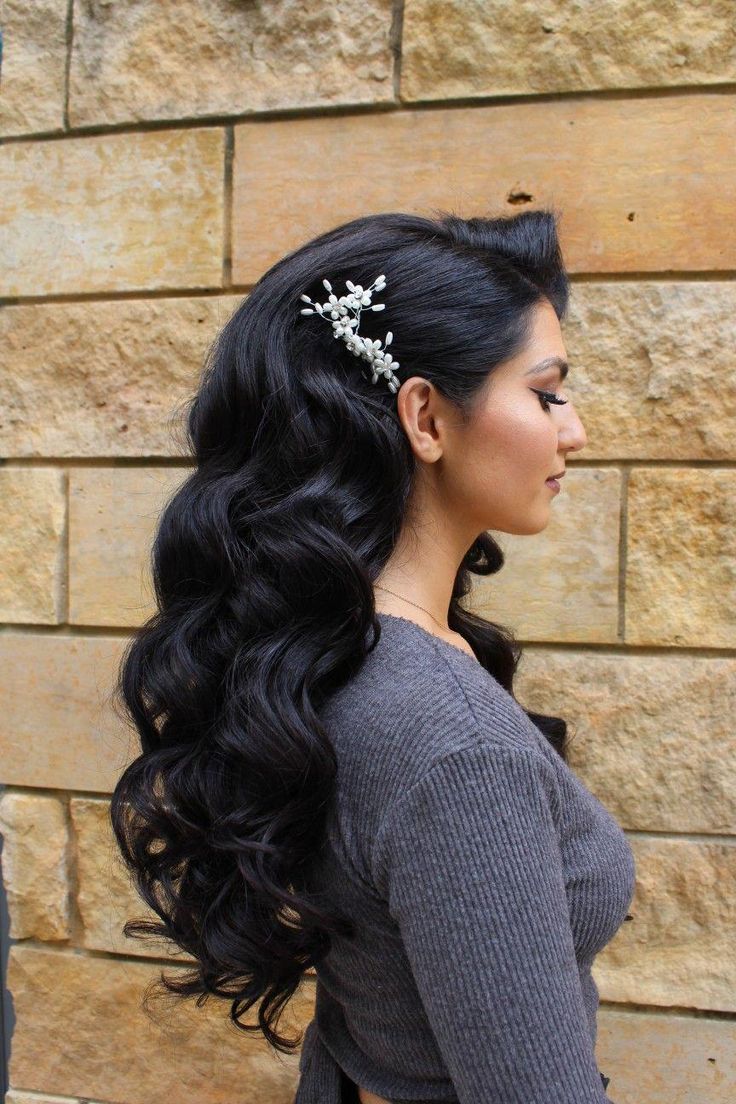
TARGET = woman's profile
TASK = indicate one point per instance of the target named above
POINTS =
(335, 772)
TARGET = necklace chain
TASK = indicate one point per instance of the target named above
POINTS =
(410, 603)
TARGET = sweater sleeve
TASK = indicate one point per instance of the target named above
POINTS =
(470, 865)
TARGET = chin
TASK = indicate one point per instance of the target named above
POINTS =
(528, 526)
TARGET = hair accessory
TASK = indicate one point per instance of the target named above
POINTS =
(346, 327)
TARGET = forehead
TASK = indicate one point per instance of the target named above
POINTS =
(544, 349)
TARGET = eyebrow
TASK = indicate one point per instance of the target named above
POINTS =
(549, 362)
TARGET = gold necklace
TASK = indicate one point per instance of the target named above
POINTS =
(411, 604)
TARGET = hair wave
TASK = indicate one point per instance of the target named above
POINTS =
(263, 564)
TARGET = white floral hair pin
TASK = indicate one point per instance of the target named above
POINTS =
(345, 326)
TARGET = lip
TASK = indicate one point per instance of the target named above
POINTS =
(553, 485)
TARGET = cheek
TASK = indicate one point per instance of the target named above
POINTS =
(515, 441)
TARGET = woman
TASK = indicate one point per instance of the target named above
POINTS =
(335, 771)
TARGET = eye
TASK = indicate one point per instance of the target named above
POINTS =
(547, 397)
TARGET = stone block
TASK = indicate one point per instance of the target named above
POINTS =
(34, 865)
(19, 1097)
(107, 896)
(554, 585)
(660, 1057)
(457, 50)
(133, 62)
(118, 1050)
(677, 948)
(681, 557)
(33, 64)
(652, 736)
(102, 997)
(110, 378)
(112, 212)
(113, 515)
(32, 550)
(103, 378)
(58, 729)
(642, 184)
(651, 369)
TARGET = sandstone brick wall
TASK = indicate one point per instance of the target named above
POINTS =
(154, 158)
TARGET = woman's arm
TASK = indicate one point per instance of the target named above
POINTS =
(470, 864)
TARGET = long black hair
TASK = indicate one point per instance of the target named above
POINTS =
(263, 564)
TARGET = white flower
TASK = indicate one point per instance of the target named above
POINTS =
(345, 327)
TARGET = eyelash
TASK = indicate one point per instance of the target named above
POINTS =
(546, 397)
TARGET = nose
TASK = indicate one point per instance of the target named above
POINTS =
(572, 432)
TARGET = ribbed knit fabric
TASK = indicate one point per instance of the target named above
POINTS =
(483, 878)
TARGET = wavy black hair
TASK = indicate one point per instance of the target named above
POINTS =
(263, 564)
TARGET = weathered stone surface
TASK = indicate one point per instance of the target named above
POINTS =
(133, 61)
(33, 62)
(32, 565)
(652, 736)
(107, 897)
(113, 513)
(656, 1058)
(651, 369)
(34, 865)
(555, 586)
(644, 189)
(681, 561)
(457, 49)
(112, 212)
(110, 378)
(678, 948)
(57, 726)
(20, 1097)
(102, 998)
(117, 1052)
(103, 378)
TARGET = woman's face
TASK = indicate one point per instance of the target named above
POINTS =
(491, 473)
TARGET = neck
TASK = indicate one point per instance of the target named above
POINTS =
(421, 570)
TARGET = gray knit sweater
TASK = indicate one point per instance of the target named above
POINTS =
(483, 878)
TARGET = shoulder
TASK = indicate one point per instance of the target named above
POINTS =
(487, 798)
(417, 698)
